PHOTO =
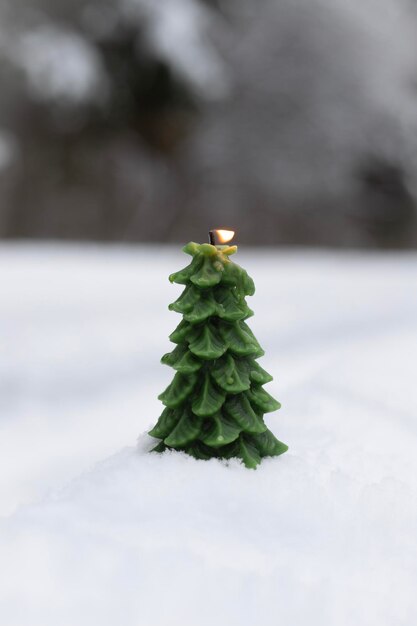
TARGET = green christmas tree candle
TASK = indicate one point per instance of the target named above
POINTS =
(215, 405)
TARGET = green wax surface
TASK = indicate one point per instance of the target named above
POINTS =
(215, 405)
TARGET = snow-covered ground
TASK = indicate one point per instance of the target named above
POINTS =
(95, 532)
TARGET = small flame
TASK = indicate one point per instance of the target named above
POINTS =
(223, 236)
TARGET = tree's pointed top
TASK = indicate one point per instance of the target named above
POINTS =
(207, 249)
(211, 266)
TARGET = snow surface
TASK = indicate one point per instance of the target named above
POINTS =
(95, 531)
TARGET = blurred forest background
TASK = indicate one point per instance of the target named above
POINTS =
(293, 121)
